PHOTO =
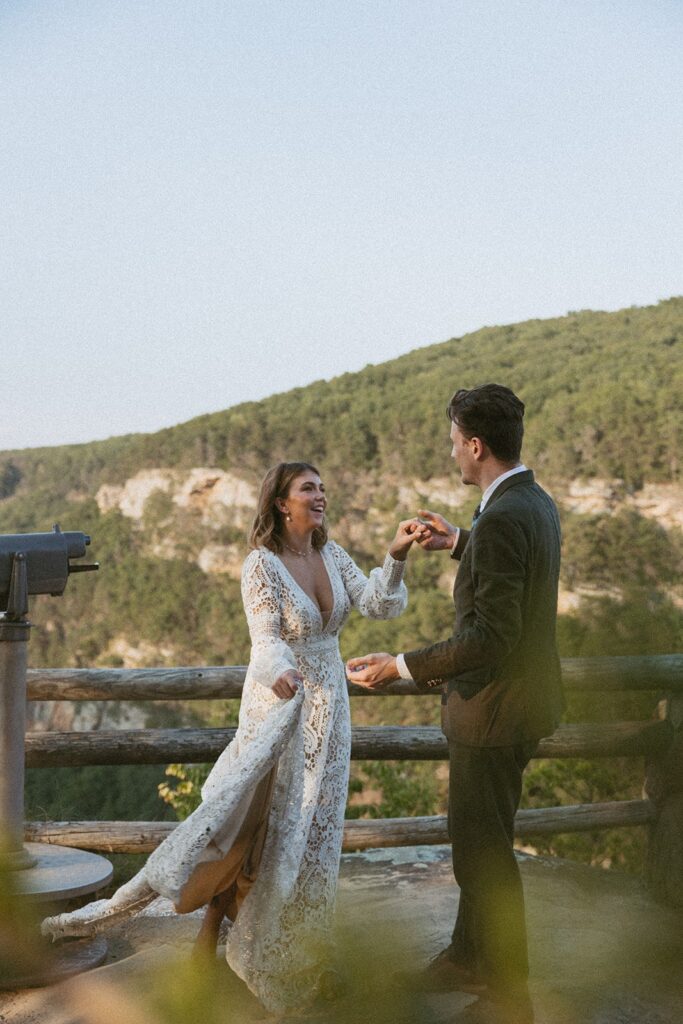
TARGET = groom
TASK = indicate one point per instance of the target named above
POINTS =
(499, 674)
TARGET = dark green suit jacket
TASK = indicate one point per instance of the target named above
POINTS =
(500, 671)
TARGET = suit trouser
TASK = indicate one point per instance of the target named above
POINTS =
(490, 931)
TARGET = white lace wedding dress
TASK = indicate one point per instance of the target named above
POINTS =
(279, 942)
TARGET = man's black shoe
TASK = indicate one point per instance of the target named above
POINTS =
(499, 1008)
(443, 974)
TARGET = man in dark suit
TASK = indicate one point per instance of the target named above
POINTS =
(501, 691)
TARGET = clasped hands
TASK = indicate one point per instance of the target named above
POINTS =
(433, 533)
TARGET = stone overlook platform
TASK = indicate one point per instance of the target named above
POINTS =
(602, 952)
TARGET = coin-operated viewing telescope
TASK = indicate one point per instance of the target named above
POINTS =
(30, 563)
(37, 563)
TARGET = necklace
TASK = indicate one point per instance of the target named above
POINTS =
(301, 554)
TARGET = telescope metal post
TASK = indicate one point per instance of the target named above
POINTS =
(14, 635)
(13, 647)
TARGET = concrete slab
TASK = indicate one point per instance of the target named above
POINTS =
(602, 952)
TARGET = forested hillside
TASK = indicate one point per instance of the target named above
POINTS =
(168, 514)
(601, 391)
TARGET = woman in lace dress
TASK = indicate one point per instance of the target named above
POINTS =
(266, 839)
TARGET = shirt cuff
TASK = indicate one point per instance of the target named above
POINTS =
(402, 668)
(456, 538)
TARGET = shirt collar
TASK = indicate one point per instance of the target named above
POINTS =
(499, 479)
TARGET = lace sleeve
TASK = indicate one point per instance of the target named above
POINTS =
(383, 595)
(270, 655)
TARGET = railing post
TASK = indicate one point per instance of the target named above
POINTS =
(664, 786)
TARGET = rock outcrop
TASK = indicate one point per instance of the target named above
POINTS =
(205, 491)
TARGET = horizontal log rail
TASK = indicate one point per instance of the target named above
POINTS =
(359, 834)
(652, 672)
(376, 743)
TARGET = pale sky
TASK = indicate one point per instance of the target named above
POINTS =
(206, 201)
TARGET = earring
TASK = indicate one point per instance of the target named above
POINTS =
(288, 517)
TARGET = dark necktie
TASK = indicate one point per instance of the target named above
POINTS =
(477, 513)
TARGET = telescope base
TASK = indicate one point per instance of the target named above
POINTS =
(19, 860)
(62, 873)
(59, 874)
(69, 957)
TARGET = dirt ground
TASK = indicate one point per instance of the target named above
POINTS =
(601, 950)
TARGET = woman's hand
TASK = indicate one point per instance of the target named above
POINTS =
(438, 533)
(408, 530)
(286, 685)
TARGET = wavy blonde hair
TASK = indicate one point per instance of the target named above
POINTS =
(266, 530)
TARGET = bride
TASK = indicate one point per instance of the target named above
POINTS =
(263, 847)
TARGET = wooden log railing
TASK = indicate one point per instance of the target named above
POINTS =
(359, 834)
(660, 742)
(369, 743)
(654, 672)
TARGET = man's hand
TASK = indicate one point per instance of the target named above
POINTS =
(286, 685)
(407, 531)
(373, 671)
(439, 533)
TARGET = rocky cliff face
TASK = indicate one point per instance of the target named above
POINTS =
(201, 503)
(660, 502)
(204, 503)
(217, 498)
(208, 492)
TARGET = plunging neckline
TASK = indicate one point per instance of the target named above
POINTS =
(312, 601)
